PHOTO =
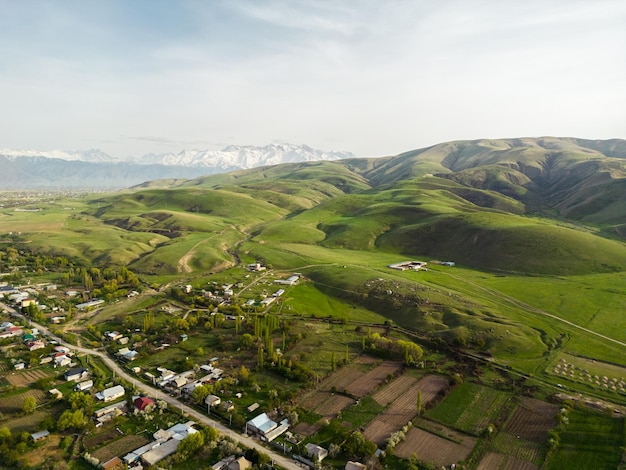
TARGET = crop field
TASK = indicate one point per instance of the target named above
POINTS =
(429, 447)
(590, 441)
(404, 408)
(515, 446)
(469, 407)
(119, 448)
(326, 403)
(532, 420)
(395, 389)
(26, 423)
(24, 379)
(373, 379)
(493, 461)
(13, 404)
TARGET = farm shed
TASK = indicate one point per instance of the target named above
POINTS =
(316, 452)
(113, 464)
(355, 466)
(38, 436)
(157, 454)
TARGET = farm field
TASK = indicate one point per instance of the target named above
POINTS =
(119, 447)
(25, 423)
(492, 461)
(23, 379)
(469, 407)
(13, 404)
(517, 447)
(532, 420)
(354, 379)
(404, 407)
(590, 441)
(431, 448)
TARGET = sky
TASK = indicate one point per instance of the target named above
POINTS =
(374, 77)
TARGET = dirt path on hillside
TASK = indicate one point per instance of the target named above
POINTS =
(531, 309)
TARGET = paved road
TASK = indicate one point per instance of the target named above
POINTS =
(277, 458)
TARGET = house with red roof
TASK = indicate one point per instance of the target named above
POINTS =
(142, 402)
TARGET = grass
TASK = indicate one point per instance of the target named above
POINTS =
(590, 441)
(363, 413)
(469, 407)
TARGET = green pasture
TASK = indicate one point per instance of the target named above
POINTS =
(470, 408)
(589, 442)
(365, 411)
(305, 299)
(594, 301)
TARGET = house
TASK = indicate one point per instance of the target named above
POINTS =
(212, 400)
(4, 326)
(142, 403)
(253, 407)
(111, 394)
(112, 335)
(182, 430)
(261, 425)
(38, 436)
(62, 361)
(45, 360)
(89, 304)
(28, 302)
(135, 454)
(34, 345)
(152, 457)
(290, 281)
(113, 464)
(75, 375)
(28, 338)
(83, 386)
(19, 366)
(184, 337)
(72, 293)
(316, 452)
(62, 349)
(107, 413)
(228, 406)
(240, 464)
(57, 394)
(123, 340)
(355, 466)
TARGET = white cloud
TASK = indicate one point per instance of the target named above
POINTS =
(370, 77)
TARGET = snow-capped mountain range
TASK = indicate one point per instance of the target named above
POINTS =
(94, 169)
(233, 157)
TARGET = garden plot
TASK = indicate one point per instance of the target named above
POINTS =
(470, 407)
(532, 420)
(26, 423)
(395, 389)
(492, 461)
(326, 404)
(373, 379)
(119, 448)
(14, 403)
(435, 449)
(24, 379)
(404, 407)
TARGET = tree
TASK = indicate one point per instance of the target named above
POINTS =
(30, 405)
(246, 341)
(190, 445)
(200, 393)
(419, 403)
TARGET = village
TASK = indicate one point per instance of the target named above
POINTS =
(29, 349)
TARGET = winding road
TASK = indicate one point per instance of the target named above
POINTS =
(246, 441)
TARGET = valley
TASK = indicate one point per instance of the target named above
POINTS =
(280, 278)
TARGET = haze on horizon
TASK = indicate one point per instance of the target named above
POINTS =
(374, 78)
